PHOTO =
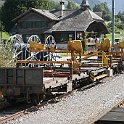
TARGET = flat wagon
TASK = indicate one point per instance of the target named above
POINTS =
(18, 83)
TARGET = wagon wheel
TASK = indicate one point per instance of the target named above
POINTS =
(50, 43)
(16, 43)
(33, 38)
(32, 55)
(34, 99)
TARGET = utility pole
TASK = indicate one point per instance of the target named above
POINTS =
(0, 31)
(113, 29)
(113, 22)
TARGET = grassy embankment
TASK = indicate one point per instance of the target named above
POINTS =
(117, 35)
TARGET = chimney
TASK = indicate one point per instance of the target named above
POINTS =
(62, 7)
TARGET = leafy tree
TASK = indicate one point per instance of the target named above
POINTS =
(119, 19)
(71, 5)
(41, 4)
(102, 7)
(10, 10)
(121, 16)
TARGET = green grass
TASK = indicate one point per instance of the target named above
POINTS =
(116, 35)
(5, 36)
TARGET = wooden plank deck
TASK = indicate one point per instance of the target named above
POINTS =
(58, 81)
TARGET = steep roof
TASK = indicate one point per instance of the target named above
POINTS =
(66, 12)
(77, 21)
(45, 13)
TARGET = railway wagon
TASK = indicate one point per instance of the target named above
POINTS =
(21, 83)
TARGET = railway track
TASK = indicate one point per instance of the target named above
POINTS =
(26, 111)
(14, 115)
(57, 99)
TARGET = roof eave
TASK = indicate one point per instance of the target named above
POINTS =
(20, 16)
(31, 9)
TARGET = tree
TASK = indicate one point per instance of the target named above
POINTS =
(119, 19)
(102, 7)
(10, 10)
(71, 5)
(121, 16)
(13, 8)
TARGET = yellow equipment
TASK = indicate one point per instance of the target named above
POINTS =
(105, 60)
(75, 46)
(36, 47)
(121, 44)
(104, 46)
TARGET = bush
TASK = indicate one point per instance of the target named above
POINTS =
(6, 55)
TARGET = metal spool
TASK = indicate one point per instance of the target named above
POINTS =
(50, 44)
(17, 44)
(33, 55)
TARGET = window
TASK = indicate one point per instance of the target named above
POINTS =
(33, 24)
(71, 36)
(23, 25)
(64, 37)
(44, 24)
(40, 24)
(28, 24)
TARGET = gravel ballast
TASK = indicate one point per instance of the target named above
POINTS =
(83, 107)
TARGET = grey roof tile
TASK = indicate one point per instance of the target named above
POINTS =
(45, 13)
(78, 20)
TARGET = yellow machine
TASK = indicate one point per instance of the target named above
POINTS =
(74, 47)
(36, 47)
(121, 46)
(104, 46)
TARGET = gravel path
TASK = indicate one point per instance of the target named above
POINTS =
(83, 107)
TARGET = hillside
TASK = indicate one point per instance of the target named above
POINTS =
(91, 2)
(119, 4)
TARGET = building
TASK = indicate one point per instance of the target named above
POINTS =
(63, 24)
